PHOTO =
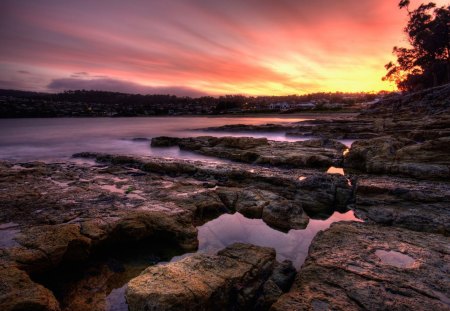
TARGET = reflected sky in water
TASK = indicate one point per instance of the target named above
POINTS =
(59, 138)
(293, 245)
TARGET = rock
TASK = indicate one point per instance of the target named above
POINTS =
(140, 139)
(347, 128)
(58, 242)
(242, 143)
(273, 209)
(65, 243)
(283, 275)
(18, 292)
(278, 283)
(270, 294)
(139, 226)
(230, 279)
(390, 155)
(315, 153)
(336, 127)
(270, 127)
(404, 202)
(285, 215)
(164, 141)
(432, 101)
(363, 152)
(356, 266)
(335, 193)
(66, 215)
(317, 197)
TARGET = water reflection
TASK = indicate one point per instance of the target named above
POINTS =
(293, 245)
(336, 170)
(59, 138)
(8, 232)
(394, 258)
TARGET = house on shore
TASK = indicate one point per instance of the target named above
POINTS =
(282, 106)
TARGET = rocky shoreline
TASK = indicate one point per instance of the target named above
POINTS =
(63, 225)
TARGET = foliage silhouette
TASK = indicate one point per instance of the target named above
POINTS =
(426, 63)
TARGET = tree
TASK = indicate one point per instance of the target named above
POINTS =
(426, 63)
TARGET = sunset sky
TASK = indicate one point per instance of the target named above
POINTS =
(198, 47)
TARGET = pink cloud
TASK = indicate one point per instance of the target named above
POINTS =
(208, 45)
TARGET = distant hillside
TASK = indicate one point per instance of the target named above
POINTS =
(82, 103)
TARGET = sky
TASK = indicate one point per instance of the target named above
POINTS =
(199, 47)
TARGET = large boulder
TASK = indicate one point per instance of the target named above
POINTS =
(229, 280)
(368, 267)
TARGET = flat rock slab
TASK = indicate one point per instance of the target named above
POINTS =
(227, 280)
(402, 156)
(360, 266)
(317, 153)
(417, 205)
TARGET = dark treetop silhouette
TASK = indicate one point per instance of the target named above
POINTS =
(427, 62)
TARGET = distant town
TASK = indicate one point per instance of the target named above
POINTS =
(82, 103)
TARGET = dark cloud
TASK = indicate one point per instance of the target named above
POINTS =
(24, 72)
(113, 85)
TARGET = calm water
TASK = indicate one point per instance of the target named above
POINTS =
(59, 138)
(231, 228)
(293, 245)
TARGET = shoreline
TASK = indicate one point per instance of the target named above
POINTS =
(67, 225)
(255, 115)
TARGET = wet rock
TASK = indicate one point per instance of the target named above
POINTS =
(47, 247)
(367, 267)
(67, 215)
(139, 226)
(432, 101)
(164, 141)
(140, 139)
(270, 294)
(348, 128)
(363, 152)
(283, 275)
(269, 127)
(273, 209)
(390, 155)
(321, 194)
(19, 292)
(336, 127)
(247, 188)
(404, 202)
(282, 208)
(285, 215)
(315, 153)
(278, 283)
(230, 279)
